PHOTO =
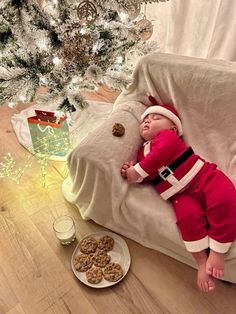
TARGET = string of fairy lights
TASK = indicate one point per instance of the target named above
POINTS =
(44, 148)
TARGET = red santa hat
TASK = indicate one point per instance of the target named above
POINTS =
(165, 110)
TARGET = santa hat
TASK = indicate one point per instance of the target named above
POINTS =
(166, 111)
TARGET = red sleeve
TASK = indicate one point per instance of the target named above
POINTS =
(163, 149)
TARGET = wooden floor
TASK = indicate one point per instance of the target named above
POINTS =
(35, 272)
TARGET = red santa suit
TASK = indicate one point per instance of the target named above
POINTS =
(203, 198)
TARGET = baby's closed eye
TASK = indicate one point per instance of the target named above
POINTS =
(156, 117)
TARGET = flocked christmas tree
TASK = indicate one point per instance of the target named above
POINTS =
(68, 46)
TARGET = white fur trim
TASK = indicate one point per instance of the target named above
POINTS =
(183, 181)
(140, 179)
(198, 245)
(147, 147)
(166, 113)
(140, 171)
(218, 246)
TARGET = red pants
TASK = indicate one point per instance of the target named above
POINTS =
(206, 211)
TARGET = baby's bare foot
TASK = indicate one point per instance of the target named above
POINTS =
(215, 264)
(205, 282)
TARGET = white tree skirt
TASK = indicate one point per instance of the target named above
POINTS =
(84, 121)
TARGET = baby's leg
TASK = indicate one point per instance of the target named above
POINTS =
(191, 220)
(220, 195)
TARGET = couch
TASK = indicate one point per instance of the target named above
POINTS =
(204, 93)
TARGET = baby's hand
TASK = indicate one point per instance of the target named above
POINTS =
(132, 175)
(123, 170)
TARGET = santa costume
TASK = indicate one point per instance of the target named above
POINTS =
(203, 197)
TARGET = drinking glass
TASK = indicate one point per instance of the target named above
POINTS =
(64, 228)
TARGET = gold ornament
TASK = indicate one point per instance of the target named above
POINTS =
(73, 51)
(145, 28)
(87, 11)
(74, 47)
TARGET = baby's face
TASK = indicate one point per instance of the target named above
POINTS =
(153, 124)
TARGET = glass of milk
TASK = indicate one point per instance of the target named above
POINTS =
(64, 228)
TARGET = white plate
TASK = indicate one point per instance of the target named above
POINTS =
(119, 254)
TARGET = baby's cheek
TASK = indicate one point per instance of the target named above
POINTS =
(141, 128)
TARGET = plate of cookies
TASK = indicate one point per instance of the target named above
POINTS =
(101, 259)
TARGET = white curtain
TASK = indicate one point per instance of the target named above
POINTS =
(198, 28)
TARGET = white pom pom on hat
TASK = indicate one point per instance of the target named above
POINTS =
(165, 110)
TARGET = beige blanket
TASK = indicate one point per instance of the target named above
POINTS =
(204, 93)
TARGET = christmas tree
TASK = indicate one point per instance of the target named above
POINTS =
(67, 46)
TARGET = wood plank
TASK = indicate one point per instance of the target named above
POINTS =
(8, 299)
(16, 310)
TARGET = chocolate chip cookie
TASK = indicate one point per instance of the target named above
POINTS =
(106, 243)
(118, 129)
(112, 272)
(88, 245)
(101, 258)
(94, 275)
(83, 262)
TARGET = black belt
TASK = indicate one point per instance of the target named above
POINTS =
(173, 166)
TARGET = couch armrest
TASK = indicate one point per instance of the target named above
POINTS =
(95, 184)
